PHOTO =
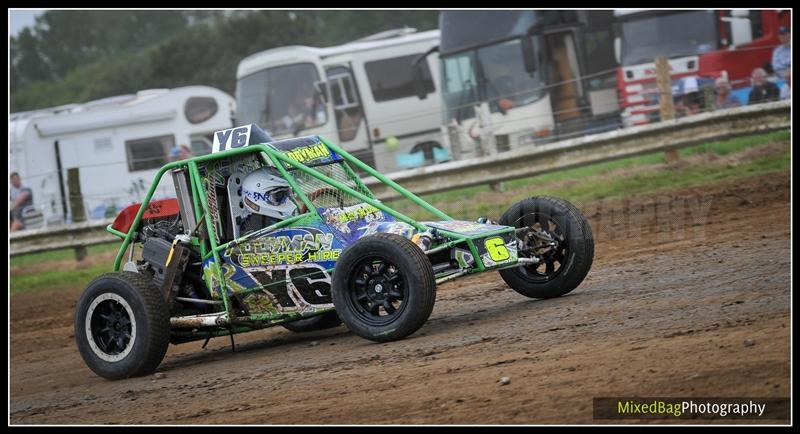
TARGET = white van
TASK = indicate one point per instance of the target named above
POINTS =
(117, 145)
(361, 94)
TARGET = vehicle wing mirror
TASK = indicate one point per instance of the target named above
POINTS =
(618, 49)
(418, 72)
(419, 81)
(527, 55)
(321, 88)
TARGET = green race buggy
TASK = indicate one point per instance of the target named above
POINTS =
(204, 269)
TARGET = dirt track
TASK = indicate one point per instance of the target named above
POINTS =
(690, 298)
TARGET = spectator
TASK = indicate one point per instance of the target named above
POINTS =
(763, 90)
(185, 152)
(692, 100)
(782, 55)
(174, 154)
(786, 90)
(21, 198)
(725, 98)
(768, 68)
(180, 153)
(306, 111)
(692, 103)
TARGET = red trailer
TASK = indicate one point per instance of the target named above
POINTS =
(703, 44)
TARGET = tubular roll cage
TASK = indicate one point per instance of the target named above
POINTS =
(268, 154)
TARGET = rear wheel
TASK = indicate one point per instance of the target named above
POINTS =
(122, 325)
(383, 287)
(556, 232)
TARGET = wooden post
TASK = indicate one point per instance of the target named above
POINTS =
(664, 82)
(80, 253)
(76, 205)
(75, 196)
(498, 186)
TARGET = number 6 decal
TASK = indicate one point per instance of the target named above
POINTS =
(497, 249)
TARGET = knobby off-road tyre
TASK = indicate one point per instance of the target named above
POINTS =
(122, 325)
(320, 322)
(383, 287)
(565, 266)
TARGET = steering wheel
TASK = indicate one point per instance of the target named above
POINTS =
(338, 194)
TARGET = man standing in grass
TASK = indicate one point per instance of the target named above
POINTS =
(21, 198)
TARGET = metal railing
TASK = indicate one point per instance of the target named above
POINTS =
(75, 236)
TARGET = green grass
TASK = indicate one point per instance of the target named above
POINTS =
(56, 279)
(720, 148)
(51, 279)
(463, 204)
(585, 184)
(60, 255)
(738, 144)
(669, 179)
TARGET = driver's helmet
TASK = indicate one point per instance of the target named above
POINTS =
(266, 193)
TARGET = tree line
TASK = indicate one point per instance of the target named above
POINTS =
(73, 56)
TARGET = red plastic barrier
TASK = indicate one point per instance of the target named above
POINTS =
(163, 208)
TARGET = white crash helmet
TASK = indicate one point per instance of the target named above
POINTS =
(266, 193)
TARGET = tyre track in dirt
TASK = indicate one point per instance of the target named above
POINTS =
(666, 313)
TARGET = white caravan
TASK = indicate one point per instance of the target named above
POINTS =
(117, 145)
(361, 94)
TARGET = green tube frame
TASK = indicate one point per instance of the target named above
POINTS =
(281, 161)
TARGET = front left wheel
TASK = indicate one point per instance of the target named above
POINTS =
(556, 232)
(383, 287)
(122, 325)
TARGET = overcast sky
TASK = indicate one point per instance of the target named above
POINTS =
(20, 19)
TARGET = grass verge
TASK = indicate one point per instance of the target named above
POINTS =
(623, 177)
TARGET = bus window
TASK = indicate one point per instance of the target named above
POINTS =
(648, 37)
(345, 102)
(201, 145)
(199, 109)
(282, 99)
(459, 88)
(149, 153)
(506, 81)
(393, 78)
